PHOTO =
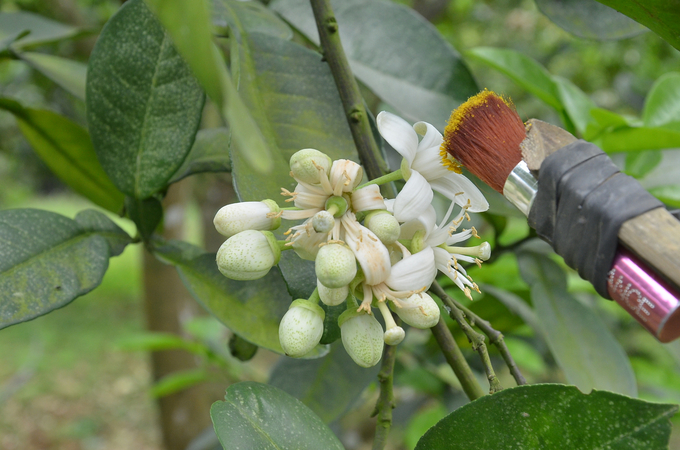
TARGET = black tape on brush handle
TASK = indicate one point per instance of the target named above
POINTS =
(582, 201)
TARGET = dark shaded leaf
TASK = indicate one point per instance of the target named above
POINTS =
(555, 417)
(47, 260)
(67, 150)
(210, 153)
(242, 349)
(398, 54)
(338, 381)
(252, 414)
(146, 214)
(584, 348)
(143, 104)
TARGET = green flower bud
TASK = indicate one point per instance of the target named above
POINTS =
(301, 328)
(335, 265)
(384, 225)
(305, 165)
(419, 311)
(331, 296)
(362, 337)
(248, 255)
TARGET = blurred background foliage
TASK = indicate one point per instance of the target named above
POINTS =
(61, 389)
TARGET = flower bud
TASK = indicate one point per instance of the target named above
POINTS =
(248, 255)
(330, 296)
(384, 225)
(362, 337)
(323, 222)
(335, 265)
(301, 328)
(419, 311)
(237, 217)
(305, 165)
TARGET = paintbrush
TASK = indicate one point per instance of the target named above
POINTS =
(604, 224)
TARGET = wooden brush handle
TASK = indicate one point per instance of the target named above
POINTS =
(655, 237)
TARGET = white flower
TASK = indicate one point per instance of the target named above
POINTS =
(237, 217)
(362, 337)
(248, 255)
(371, 254)
(367, 198)
(427, 171)
(301, 328)
(414, 272)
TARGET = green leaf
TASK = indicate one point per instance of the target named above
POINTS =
(576, 103)
(7, 40)
(153, 342)
(660, 16)
(662, 104)
(42, 30)
(253, 17)
(521, 69)
(143, 104)
(669, 194)
(189, 25)
(515, 304)
(635, 139)
(589, 19)
(338, 381)
(96, 222)
(210, 153)
(242, 349)
(584, 348)
(68, 74)
(47, 260)
(555, 417)
(146, 214)
(178, 381)
(252, 310)
(293, 97)
(398, 54)
(639, 164)
(252, 416)
(67, 150)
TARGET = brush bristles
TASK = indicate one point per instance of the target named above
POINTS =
(484, 134)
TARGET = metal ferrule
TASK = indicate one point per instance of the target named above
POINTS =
(520, 187)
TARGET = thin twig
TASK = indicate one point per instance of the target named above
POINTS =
(476, 339)
(495, 338)
(456, 360)
(352, 101)
(385, 404)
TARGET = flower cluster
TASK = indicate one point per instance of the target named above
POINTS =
(369, 252)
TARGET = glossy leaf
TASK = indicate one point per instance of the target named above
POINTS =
(67, 150)
(47, 260)
(634, 139)
(252, 414)
(146, 214)
(669, 194)
(291, 94)
(210, 153)
(143, 104)
(338, 381)
(68, 74)
(639, 164)
(252, 310)
(576, 103)
(41, 30)
(555, 417)
(662, 104)
(398, 54)
(190, 27)
(521, 69)
(589, 355)
(589, 19)
(660, 16)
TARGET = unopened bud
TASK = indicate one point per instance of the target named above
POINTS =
(335, 265)
(384, 225)
(419, 311)
(332, 296)
(248, 255)
(306, 164)
(236, 217)
(362, 337)
(301, 328)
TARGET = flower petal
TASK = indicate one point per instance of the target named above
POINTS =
(367, 198)
(413, 199)
(454, 183)
(399, 134)
(425, 221)
(413, 273)
(431, 136)
(429, 163)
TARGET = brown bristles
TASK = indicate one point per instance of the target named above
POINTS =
(484, 134)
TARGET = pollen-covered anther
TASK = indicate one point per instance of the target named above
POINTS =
(274, 214)
(476, 288)
(466, 291)
(474, 232)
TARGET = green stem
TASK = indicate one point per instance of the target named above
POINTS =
(476, 339)
(385, 404)
(388, 178)
(456, 360)
(314, 298)
(351, 98)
